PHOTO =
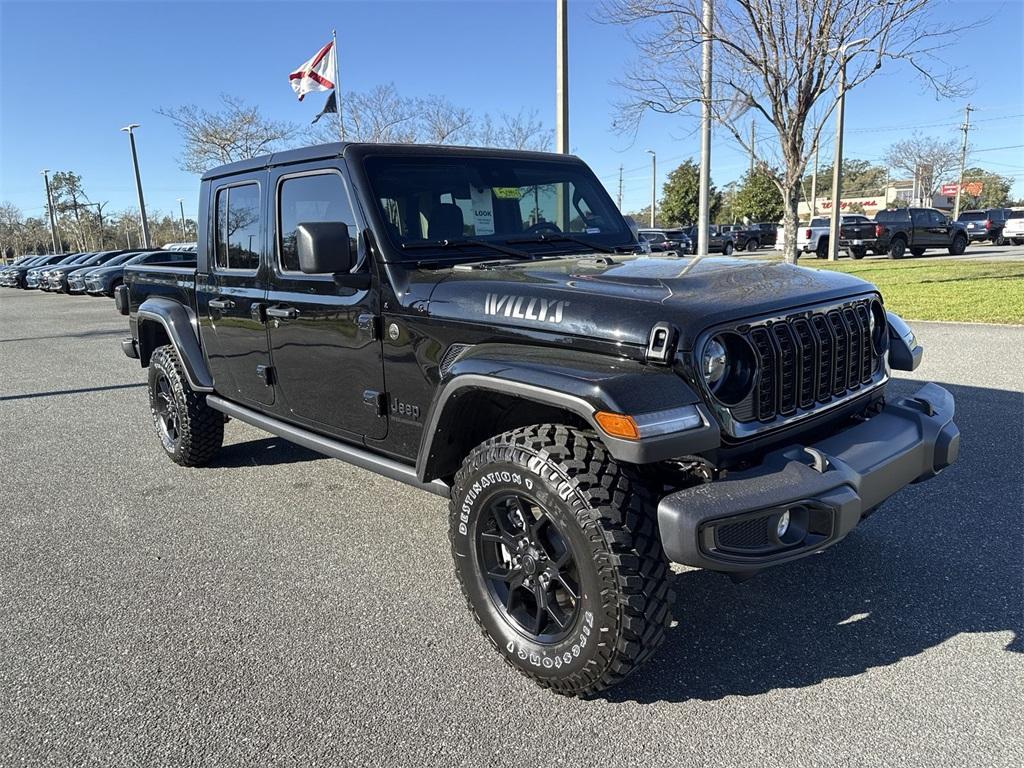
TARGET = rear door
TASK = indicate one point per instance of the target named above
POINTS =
(325, 346)
(232, 292)
(940, 229)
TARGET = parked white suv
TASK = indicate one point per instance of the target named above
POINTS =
(1014, 228)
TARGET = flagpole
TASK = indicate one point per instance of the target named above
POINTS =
(337, 84)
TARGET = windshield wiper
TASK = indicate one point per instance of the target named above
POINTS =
(468, 241)
(564, 239)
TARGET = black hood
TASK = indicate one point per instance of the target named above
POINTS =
(618, 298)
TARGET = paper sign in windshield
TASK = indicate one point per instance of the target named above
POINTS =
(483, 211)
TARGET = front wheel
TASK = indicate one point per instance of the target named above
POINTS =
(959, 245)
(190, 431)
(727, 249)
(558, 555)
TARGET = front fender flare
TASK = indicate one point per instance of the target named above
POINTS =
(179, 325)
(581, 383)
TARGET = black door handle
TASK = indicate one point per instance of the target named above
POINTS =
(221, 304)
(286, 313)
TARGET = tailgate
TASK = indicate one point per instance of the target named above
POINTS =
(858, 231)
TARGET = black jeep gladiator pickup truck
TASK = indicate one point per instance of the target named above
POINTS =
(483, 325)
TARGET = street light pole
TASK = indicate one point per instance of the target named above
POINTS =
(49, 207)
(561, 78)
(837, 162)
(181, 205)
(654, 184)
(138, 184)
(704, 201)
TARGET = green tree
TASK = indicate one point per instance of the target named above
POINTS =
(995, 189)
(758, 197)
(681, 194)
(860, 179)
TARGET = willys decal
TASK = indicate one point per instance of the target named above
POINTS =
(524, 308)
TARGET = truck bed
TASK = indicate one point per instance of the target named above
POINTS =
(176, 282)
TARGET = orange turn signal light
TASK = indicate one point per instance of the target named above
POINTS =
(617, 425)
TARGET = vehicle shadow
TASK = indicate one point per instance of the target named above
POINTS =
(266, 452)
(937, 560)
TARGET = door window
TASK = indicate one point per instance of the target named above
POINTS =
(308, 199)
(238, 228)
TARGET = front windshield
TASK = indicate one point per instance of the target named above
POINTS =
(429, 200)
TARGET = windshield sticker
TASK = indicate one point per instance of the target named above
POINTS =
(506, 193)
(483, 211)
(523, 308)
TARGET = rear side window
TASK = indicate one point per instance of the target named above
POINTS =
(973, 216)
(238, 227)
(306, 200)
(819, 222)
(1016, 214)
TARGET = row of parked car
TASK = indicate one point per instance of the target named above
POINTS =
(97, 273)
(722, 238)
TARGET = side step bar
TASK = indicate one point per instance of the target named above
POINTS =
(329, 447)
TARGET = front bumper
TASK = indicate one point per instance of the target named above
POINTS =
(732, 525)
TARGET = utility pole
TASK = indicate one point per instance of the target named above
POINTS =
(753, 140)
(138, 184)
(963, 159)
(654, 184)
(837, 162)
(620, 187)
(704, 203)
(54, 237)
(814, 185)
(181, 205)
(561, 78)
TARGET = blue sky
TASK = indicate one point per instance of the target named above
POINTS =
(72, 73)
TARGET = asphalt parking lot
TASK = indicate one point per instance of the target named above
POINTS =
(981, 251)
(279, 608)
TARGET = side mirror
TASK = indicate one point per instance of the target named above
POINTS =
(324, 248)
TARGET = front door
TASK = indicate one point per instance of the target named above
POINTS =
(233, 292)
(324, 341)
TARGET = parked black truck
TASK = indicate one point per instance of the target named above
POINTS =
(917, 230)
(482, 325)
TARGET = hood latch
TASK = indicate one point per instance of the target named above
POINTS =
(661, 344)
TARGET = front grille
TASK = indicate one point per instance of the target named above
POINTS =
(746, 535)
(809, 359)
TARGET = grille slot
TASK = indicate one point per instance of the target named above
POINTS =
(746, 535)
(809, 359)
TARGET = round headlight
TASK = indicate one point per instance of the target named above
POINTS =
(728, 364)
(713, 363)
(879, 327)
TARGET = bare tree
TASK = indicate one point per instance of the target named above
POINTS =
(380, 115)
(236, 132)
(523, 130)
(442, 122)
(777, 59)
(909, 155)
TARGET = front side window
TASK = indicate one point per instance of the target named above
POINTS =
(306, 200)
(238, 227)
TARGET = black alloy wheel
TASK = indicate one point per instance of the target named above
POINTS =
(166, 413)
(897, 247)
(529, 567)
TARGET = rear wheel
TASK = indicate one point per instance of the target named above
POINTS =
(959, 245)
(190, 431)
(727, 249)
(822, 250)
(557, 551)
(752, 244)
(897, 247)
(917, 251)
(1018, 241)
(858, 253)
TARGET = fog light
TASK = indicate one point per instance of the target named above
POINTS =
(782, 526)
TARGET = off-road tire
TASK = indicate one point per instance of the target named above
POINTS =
(959, 245)
(606, 517)
(200, 429)
(917, 251)
(897, 247)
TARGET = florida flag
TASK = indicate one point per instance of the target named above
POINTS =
(317, 74)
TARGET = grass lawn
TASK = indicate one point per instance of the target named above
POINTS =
(941, 289)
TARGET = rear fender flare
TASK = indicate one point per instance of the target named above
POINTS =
(162, 321)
